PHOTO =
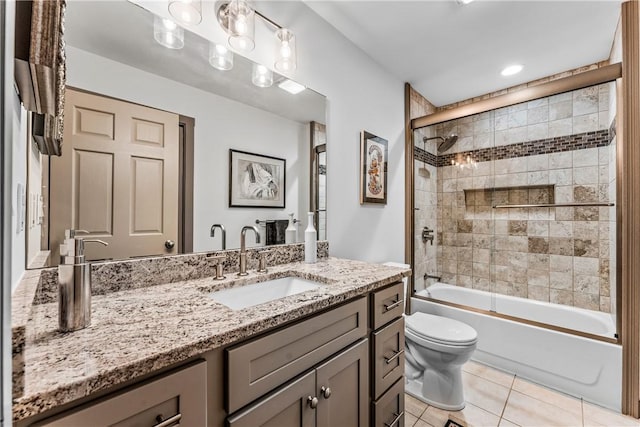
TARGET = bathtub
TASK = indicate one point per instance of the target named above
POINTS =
(582, 367)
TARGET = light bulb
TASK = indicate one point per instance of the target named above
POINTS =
(285, 50)
(241, 25)
(261, 76)
(169, 24)
(221, 49)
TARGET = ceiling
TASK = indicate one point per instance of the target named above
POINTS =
(450, 52)
(89, 25)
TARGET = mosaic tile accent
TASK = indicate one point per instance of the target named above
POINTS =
(425, 156)
(560, 144)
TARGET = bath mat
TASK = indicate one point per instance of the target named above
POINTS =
(452, 423)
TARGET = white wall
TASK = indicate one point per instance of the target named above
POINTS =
(220, 124)
(361, 95)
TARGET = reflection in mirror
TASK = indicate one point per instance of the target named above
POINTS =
(147, 139)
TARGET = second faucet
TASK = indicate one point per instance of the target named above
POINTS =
(243, 250)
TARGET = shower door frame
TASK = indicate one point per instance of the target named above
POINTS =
(603, 74)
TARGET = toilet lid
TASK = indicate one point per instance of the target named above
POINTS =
(440, 329)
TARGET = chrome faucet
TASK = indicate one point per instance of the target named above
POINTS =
(243, 249)
(224, 234)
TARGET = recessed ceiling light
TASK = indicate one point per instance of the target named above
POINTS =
(463, 2)
(291, 86)
(511, 70)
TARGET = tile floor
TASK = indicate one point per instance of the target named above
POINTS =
(495, 398)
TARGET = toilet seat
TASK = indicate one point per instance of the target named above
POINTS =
(440, 330)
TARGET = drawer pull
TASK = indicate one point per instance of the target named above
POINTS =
(394, 357)
(166, 423)
(313, 402)
(388, 307)
(395, 420)
(326, 392)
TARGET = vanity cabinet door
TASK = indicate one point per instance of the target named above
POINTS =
(342, 388)
(289, 406)
(178, 399)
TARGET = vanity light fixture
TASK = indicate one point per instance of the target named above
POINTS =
(168, 33)
(291, 86)
(188, 12)
(511, 70)
(220, 57)
(261, 76)
(286, 51)
(237, 18)
(462, 162)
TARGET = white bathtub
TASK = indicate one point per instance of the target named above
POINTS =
(578, 366)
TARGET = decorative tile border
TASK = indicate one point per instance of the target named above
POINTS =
(579, 141)
(114, 276)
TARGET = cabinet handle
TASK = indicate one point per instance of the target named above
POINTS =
(326, 392)
(313, 402)
(394, 357)
(168, 422)
(396, 419)
(393, 305)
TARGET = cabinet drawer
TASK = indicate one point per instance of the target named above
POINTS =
(388, 356)
(388, 411)
(262, 364)
(180, 397)
(386, 305)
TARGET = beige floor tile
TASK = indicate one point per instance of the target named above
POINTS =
(414, 406)
(527, 411)
(547, 395)
(597, 416)
(507, 423)
(484, 394)
(470, 416)
(423, 423)
(488, 373)
(409, 419)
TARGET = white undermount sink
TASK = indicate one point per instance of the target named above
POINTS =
(259, 293)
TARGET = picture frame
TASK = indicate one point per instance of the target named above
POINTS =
(373, 168)
(256, 180)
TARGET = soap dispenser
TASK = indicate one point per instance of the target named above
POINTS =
(74, 286)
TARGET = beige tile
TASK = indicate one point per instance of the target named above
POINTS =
(422, 423)
(488, 373)
(484, 394)
(549, 396)
(597, 416)
(471, 415)
(507, 423)
(409, 419)
(527, 411)
(414, 406)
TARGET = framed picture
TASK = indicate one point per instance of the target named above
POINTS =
(373, 169)
(256, 181)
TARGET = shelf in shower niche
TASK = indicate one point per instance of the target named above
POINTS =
(517, 194)
(555, 205)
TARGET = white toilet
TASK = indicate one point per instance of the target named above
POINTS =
(436, 347)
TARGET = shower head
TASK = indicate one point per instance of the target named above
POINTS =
(446, 142)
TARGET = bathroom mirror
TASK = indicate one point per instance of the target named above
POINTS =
(168, 98)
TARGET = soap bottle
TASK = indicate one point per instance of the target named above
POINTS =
(290, 235)
(310, 246)
(74, 286)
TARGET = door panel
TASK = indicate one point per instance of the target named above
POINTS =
(285, 407)
(94, 191)
(347, 377)
(117, 177)
(146, 195)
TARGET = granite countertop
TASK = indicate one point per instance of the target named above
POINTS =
(135, 332)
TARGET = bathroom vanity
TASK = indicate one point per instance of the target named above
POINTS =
(169, 353)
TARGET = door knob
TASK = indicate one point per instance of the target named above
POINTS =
(169, 244)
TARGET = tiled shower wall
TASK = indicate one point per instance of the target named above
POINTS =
(559, 147)
(425, 193)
